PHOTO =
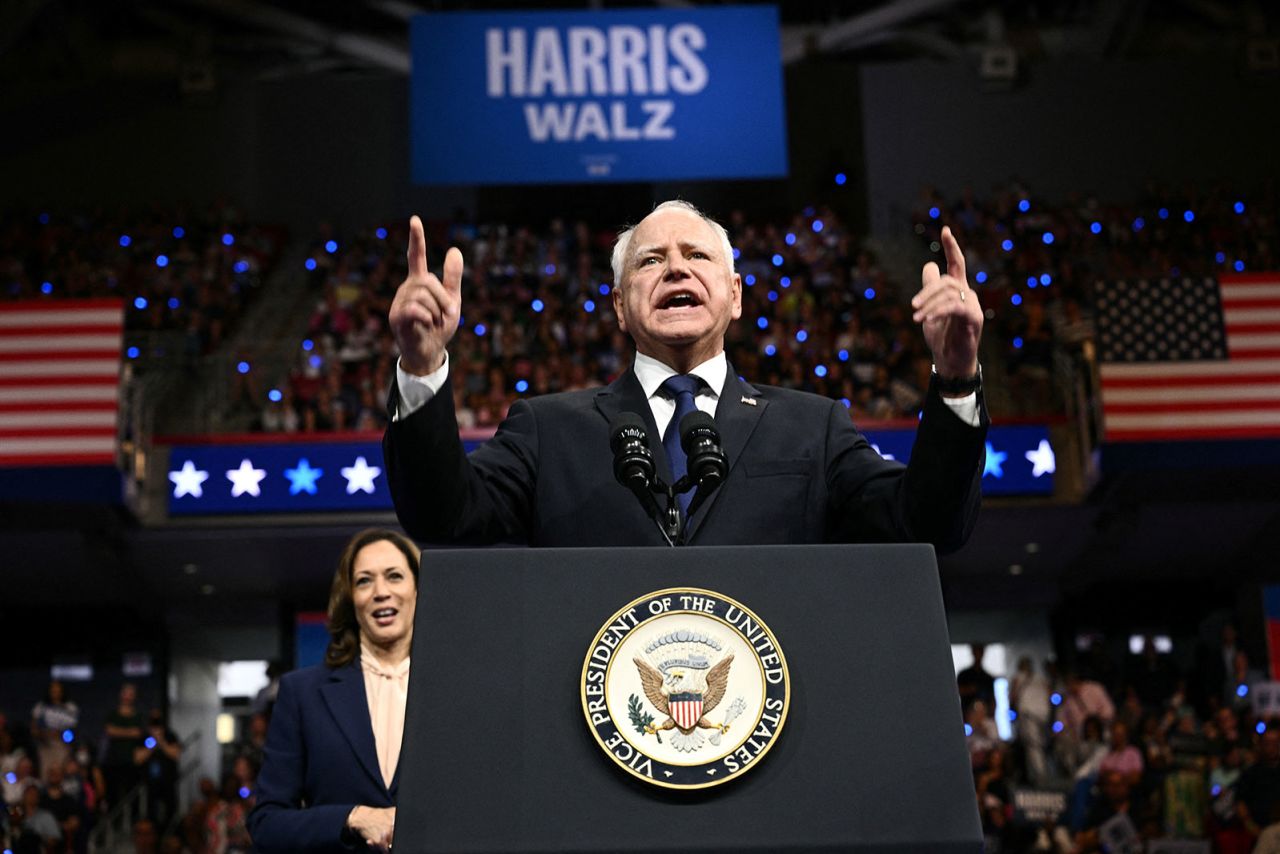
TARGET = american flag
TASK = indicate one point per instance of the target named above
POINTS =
(1190, 358)
(59, 381)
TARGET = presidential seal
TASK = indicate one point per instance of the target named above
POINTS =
(685, 688)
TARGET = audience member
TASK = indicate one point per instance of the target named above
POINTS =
(124, 732)
(51, 720)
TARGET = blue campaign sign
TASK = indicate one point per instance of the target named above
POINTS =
(608, 95)
(1020, 460)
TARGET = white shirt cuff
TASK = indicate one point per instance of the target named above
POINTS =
(965, 408)
(415, 391)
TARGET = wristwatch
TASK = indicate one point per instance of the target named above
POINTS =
(960, 385)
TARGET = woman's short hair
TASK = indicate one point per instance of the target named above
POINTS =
(344, 629)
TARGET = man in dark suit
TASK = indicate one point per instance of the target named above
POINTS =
(798, 470)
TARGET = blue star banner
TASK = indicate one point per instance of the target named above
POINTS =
(309, 477)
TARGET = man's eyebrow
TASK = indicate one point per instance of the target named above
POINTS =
(684, 244)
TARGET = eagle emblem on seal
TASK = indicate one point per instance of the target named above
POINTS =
(684, 677)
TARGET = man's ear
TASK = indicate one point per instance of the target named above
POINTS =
(617, 307)
(737, 296)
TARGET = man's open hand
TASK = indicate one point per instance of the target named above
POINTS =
(424, 315)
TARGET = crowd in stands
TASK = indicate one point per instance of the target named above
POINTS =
(819, 313)
(1111, 758)
(181, 271)
(59, 783)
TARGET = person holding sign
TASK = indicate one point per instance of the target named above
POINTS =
(797, 470)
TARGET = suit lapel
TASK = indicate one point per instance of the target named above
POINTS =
(736, 420)
(345, 698)
(625, 394)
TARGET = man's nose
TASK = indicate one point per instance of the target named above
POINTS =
(677, 266)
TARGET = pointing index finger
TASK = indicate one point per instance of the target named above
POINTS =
(955, 258)
(417, 249)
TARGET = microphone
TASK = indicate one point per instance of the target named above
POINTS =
(633, 467)
(707, 466)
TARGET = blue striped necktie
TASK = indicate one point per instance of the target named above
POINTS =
(681, 388)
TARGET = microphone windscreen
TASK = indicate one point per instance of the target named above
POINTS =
(695, 424)
(626, 427)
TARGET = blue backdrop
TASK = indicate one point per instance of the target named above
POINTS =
(618, 95)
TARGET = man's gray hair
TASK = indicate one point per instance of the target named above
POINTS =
(622, 245)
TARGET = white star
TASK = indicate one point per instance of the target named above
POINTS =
(245, 479)
(187, 480)
(360, 476)
(1042, 459)
(882, 454)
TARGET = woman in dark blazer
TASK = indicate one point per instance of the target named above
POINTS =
(328, 780)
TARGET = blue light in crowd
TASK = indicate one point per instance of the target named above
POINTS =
(749, 280)
(1055, 698)
(841, 178)
(308, 344)
(162, 261)
(1032, 281)
(381, 234)
(125, 240)
(869, 293)
(802, 336)
(481, 329)
(1006, 245)
(1096, 227)
(820, 370)
(785, 281)
(1024, 205)
(1163, 213)
(174, 303)
(46, 287)
(1016, 299)
(934, 213)
(1216, 790)
(132, 352)
(331, 246)
(1139, 223)
(1260, 728)
(773, 296)
(843, 355)
(848, 404)
(241, 267)
(44, 219)
(1242, 690)
(1017, 343)
(140, 303)
(150, 743)
(11, 778)
(522, 386)
(589, 306)
(1046, 279)
(315, 361)
(762, 322)
(1057, 726)
(228, 239)
(1238, 266)
(1220, 257)
(68, 736)
(968, 730)
(1013, 716)
(243, 367)
(737, 253)
(1238, 207)
(537, 305)
(777, 260)
(770, 350)
(179, 232)
(981, 278)
(1047, 237)
(310, 264)
(550, 269)
(245, 792)
(1189, 216)
(275, 395)
(791, 239)
(817, 226)
(604, 290)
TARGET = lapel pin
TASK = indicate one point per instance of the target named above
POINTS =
(749, 401)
